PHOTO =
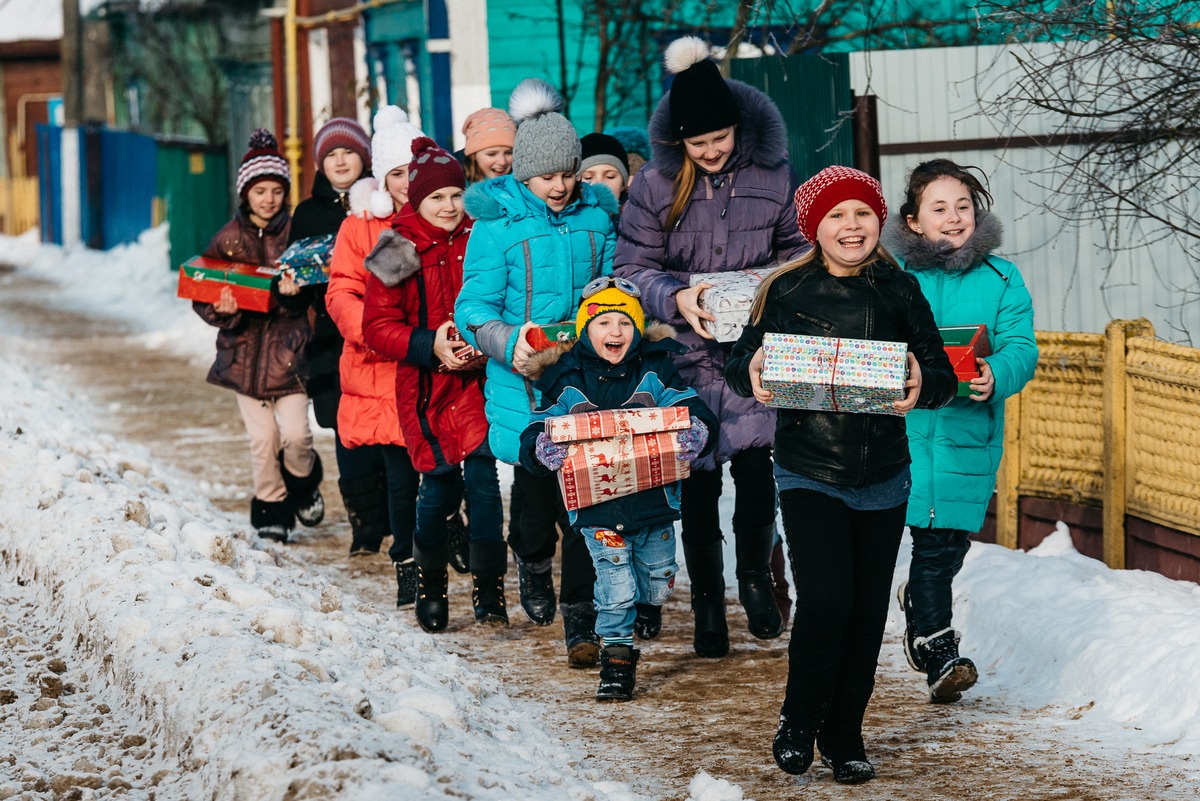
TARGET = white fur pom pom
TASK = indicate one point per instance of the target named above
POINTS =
(381, 204)
(684, 52)
(533, 97)
(388, 116)
(360, 195)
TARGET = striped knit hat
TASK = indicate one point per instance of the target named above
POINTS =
(828, 188)
(262, 162)
(342, 132)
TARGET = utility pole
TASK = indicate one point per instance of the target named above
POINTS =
(72, 64)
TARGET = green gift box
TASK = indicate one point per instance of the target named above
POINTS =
(202, 278)
(964, 344)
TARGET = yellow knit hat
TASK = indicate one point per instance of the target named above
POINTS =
(609, 300)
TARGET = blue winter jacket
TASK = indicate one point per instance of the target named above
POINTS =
(956, 449)
(525, 262)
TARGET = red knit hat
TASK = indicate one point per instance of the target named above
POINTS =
(262, 162)
(828, 188)
(342, 132)
(431, 169)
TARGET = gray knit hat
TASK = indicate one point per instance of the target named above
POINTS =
(546, 142)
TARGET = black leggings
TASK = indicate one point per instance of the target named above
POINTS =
(542, 516)
(842, 561)
(753, 505)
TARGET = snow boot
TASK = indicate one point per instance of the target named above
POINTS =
(305, 493)
(536, 586)
(648, 622)
(489, 560)
(272, 520)
(406, 582)
(910, 635)
(618, 673)
(579, 630)
(367, 507)
(793, 746)
(847, 758)
(756, 591)
(949, 674)
(783, 597)
(459, 542)
(705, 565)
(432, 605)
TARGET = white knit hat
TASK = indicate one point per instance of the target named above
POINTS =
(391, 147)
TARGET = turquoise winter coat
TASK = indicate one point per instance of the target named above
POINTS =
(525, 262)
(956, 449)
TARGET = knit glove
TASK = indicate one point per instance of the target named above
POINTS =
(691, 441)
(550, 453)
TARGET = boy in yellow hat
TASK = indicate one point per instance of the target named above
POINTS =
(618, 362)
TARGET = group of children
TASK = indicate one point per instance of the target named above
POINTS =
(442, 276)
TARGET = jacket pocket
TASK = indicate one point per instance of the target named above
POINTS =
(813, 321)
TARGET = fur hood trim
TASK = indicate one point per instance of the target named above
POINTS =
(542, 360)
(761, 135)
(499, 198)
(918, 253)
(393, 258)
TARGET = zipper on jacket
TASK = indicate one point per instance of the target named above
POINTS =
(995, 269)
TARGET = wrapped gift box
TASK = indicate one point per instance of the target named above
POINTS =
(834, 375)
(618, 452)
(307, 260)
(476, 358)
(965, 343)
(729, 299)
(544, 336)
(201, 278)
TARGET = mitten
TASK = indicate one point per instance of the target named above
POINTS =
(550, 453)
(691, 441)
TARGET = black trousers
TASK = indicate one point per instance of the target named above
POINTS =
(541, 517)
(937, 556)
(753, 506)
(842, 561)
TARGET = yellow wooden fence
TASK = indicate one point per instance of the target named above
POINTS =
(18, 205)
(1111, 420)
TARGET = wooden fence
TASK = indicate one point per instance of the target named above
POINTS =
(1110, 422)
(18, 205)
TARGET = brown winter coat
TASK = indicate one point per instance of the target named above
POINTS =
(260, 355)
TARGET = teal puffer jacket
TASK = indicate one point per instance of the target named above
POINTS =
(525, 262)
(956, 449)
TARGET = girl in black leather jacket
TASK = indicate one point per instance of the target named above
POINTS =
(843, 478)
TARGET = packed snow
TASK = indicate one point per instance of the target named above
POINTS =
(256, 678)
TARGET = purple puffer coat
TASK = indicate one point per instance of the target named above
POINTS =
(740, 218)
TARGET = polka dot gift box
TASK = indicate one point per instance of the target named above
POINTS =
(830, 374)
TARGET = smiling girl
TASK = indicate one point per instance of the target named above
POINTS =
(488, 150)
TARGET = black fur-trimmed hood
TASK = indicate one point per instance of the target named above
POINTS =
(542, 360)
(918, 253)
(761, 135)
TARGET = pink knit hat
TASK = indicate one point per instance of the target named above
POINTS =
(488, 127)
(828, 188)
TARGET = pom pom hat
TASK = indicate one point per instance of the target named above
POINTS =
(342, 132)
(391, 147)
(488, 127)
(613, 298)
(601, 148)
(546, 142)
(828, 188)
(699, 101)
(431, 169)
(262, 162)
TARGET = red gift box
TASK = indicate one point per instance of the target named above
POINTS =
(964, 344)
(201, 278)
(618, 452)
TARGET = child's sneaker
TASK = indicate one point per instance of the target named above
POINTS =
(618, 672)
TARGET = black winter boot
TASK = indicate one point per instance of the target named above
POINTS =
(433, 607)
(459, 542)
(847, 758)
(904, 597)
(536, 586)
(949, 675)
(272, 520)
(648, 622)
(489, 560)
(756, 591)
(304, 494)
(705, 564)
(367, 507)
(406, 582)
(618, 673)
(579, 630)
(793, 746)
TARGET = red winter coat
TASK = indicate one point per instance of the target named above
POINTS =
(410, 292)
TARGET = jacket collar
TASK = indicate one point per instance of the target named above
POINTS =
(422, 233)
(918, 253)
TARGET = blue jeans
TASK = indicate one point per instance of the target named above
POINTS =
(442, 493)
(401, 477)
(631, 567)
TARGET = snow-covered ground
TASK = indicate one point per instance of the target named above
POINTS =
(260, 682)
